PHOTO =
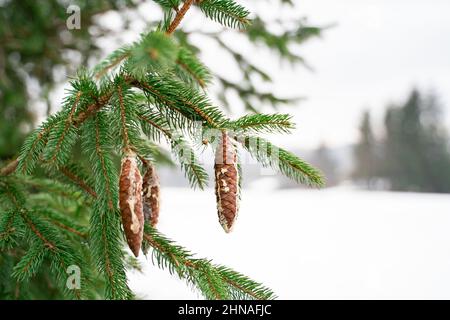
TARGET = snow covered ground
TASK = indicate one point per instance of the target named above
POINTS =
(309, 244)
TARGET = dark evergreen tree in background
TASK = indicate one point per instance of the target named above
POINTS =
(365, 154)
(323, 159)
(414, 152)
(416, 155)
(142, 96)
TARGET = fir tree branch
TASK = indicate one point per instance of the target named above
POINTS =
(12, 192)
(123, 119)
(226, 12)
(7, 225)
(30, 262)
(220, 282)
(63, 136)
(263, 123)
(111, 62)
(169, 4)
(194, 171)
(61, 221)
(181, 99)
(61, 225)
(146, 119)
(49, 186)
(35, 144)
(105, 234)
(199, 80)
(194, 71)
(92, 109)
(32, 148)
(100, 153)
(35, 230)
(147, 87)
(180, 15)
(282, 160)
(77, 180)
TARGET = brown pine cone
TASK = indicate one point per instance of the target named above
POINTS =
(227, 182)
(150, 192)
(130, 202)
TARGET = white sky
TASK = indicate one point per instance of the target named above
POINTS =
(376, 53)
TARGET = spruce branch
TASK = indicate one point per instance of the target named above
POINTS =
(33, 147)
(194, 171)
(191, 70)
(152, 120)
(77, 180)
(111, 62)
(8, 228)
(281, 160)
(156, 52)
(66, 227)
(105, 234)
(63, 136)
(29, 222)
(169, 4)
(48, 186)
(182, 99)
(180, 15)
(46, 240)
(11, 194)
(99, 103)
(124, 129)
(263, 123)
(214, 281)
(226, 12)
(97, 147)
(30, 263)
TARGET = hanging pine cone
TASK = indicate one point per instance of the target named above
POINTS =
(130, 202)
(150, 191)
(227, 186)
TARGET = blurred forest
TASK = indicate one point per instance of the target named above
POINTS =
(413, 153)
(36, 44)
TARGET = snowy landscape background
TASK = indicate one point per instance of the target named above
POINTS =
(336, 243)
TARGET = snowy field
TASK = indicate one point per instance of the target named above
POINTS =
(309, 244)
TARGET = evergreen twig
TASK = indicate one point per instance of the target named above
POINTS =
(180, 15)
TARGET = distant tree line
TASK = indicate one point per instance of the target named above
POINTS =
(412, 155)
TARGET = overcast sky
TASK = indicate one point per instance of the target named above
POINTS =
(377, 51)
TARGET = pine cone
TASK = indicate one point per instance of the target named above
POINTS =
(227, 186)
(130, 202)
(150, 191)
